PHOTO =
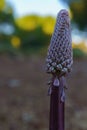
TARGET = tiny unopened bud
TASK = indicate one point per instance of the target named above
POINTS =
(64, 70)
(54, 64)
(56, 82)
(59, 67)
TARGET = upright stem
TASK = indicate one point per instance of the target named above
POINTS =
(56, 108)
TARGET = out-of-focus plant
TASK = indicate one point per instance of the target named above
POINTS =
(78, 9)
(80, 50)
(48, 25)
(78, 53)
(28, 23)
(15, 41)
(2, 4)
(27, 34)
(35, 32)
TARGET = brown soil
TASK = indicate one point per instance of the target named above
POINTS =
(24, 104)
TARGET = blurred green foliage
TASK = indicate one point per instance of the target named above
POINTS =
(78, 53)
(27, 35)
(78, 9)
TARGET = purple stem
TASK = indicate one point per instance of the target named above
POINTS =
(56, 108)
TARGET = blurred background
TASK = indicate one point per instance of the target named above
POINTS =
(26, 27)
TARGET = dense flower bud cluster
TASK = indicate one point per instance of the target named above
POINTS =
(59, 57)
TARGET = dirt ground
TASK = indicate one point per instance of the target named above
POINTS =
(24, 104)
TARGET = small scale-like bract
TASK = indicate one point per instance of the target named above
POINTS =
(56, 82)
(59, 57)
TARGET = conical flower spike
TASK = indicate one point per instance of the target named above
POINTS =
(59, 57)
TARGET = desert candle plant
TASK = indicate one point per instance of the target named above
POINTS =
(59, 62)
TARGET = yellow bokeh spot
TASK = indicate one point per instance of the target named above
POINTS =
(82, 46)
(73, 45)
(48, 27)
(26, 23)
(70, 14)
(2, 4)
(15, 41)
